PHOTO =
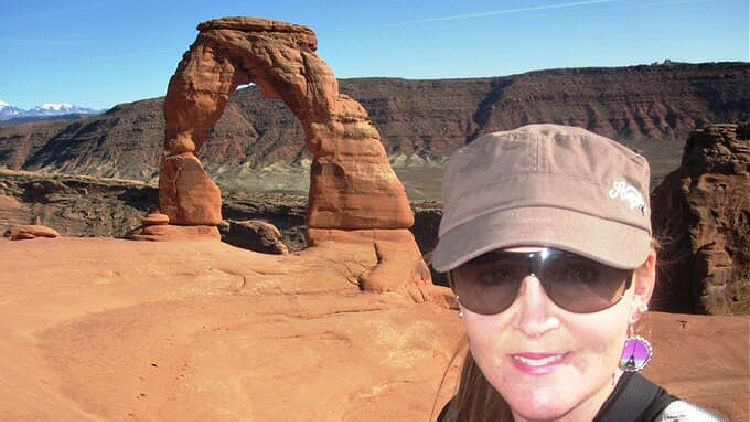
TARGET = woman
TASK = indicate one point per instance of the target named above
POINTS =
(546, 237)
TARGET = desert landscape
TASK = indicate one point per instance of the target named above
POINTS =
(132, 287)
(101, 329)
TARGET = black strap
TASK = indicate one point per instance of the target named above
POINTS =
(635, 399)
(444, 411)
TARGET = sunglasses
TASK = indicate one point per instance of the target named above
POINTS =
(489, 284)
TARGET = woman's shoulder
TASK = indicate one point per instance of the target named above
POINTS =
(682, 411)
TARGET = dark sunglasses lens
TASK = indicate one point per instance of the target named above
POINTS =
(581, 285)
(489, 284)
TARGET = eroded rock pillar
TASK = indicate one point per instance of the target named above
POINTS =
(700, 215)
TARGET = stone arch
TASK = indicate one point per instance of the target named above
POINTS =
(354, 194)
(353, 188)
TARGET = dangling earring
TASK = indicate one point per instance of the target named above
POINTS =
(460, 311)
(636, 352)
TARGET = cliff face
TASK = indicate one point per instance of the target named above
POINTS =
(641, 102)
(423, 117)
(125, 142)
(702, 213)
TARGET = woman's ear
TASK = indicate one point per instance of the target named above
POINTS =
(644, 279)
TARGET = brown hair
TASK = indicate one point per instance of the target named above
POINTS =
(476, 399)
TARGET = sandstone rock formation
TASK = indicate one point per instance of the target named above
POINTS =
(175, 233)
(155, 218)
(155, 227)
(258, 236)
(30, 231)
(186, 192)
(352, 186)
(702, 214)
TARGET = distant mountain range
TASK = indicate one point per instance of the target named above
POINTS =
(9, 112)
(652, 108)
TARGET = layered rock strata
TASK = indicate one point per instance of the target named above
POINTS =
(352, 186)
(425, 118)
(701, 213)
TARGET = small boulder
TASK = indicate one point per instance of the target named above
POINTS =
(30, 231)
(173, 233)
(255, 235)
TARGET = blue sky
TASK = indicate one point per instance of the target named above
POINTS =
(100, 53)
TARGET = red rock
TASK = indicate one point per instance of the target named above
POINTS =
(155, 219)
(352, 185)
(30, 231)
(400, 266)
(172, 233)
(701, 213)
(258, 236)
(24, 235)
(186, 192)
(202, 331)
(320, 236)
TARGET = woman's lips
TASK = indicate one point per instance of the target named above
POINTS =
(537, 363)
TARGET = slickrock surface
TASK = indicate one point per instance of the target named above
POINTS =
(112, 330)
(704, 210)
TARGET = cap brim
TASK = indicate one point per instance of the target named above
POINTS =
(611, 243)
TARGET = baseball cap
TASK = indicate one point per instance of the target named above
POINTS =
(545, 185)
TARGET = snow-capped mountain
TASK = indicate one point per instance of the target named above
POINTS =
(10, 112)
(7, 111)
(54, 107)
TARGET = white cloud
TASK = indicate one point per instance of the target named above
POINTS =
(508, 11)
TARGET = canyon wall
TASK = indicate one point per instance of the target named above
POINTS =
(701, 216)
(428, 118)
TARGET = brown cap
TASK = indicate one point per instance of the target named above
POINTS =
(545, 185)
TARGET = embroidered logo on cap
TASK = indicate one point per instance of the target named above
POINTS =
(628, 194)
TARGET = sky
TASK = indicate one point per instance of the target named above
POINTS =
(100, 53)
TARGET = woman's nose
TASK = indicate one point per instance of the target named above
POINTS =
(534, 309)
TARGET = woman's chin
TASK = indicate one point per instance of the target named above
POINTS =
(539, 393)
(539, 407)
(551, 395)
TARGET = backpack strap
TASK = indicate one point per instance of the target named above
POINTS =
(634, 399)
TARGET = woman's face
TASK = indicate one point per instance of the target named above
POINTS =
(549, 363)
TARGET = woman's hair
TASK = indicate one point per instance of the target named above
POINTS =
(476, 399)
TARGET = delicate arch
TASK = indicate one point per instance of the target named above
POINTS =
(352, 186)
